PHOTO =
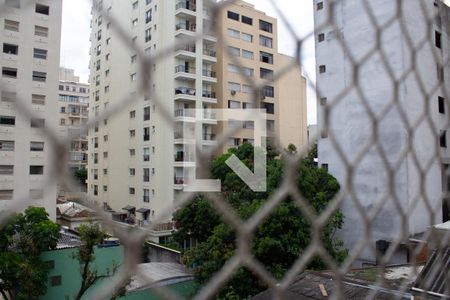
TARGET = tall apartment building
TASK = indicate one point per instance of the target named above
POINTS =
(73, 115)
(352, 128)
(138, 161)
(30, 39)
(251, 53)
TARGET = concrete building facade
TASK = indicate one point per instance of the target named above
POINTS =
(30, 38)
(351, 125)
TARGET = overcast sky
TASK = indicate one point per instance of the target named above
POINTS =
(299, 14)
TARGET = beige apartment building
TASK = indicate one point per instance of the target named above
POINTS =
(138, 161)
(30, 40)
(251, 54)
(73, 115)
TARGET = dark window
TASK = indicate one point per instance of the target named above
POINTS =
(147, 113)
(247, 20)
(270, 107)
(9, 72)
(443, 139)
(437, 38)
(441, 103)
(322, 69)
(131, 191)
(36, 170)
(233, 16)
(440, 72)
(265, 26)
(40, 53)
(268, 91)
(61, 88)
(325, 167)
(265, 41)
(10, 49)
(7, 120)
(39, 76)
(266, 57)
(36, 146)
(321, 37)
(319, 5)
(42, 9)
(55, 280)
(37, 123)
(146, 133)
(266, 74)
(323, 101)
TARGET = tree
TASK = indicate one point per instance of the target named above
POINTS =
(278, 241)
(90, 235)
(22, 273)
(81, 174)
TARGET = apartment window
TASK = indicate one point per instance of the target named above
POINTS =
(247, 20)
(105, 154)
(39, 76)
(37, 146)
(131, 191)
(269, 107)
(233, 68)
(248, 71)
(266, 57)
(247, 37)
(443, 139)
(441, 104)
(234, 87)
(13, 3)
(325, 167)
(106, 73)
(132, 171)
(8, 96)
(6, 145)
(105, 138)
(146, 197)
(319, 5)
(265, 26)
(234, 51)
(247, 54)
(132, 114)
(234, 104)
(321, 37)
(248, 125)
(270, 125)
(132, 133)
(105, 171)
(95, 190)
(99, 20)
(146, 176)
(9, 72)
(146, 154)
(134, 22)
(62, 122)
(135, 5)
(39, 53)
(148, 16)
(322, 69)
(233, 15)
(11, 25)
(7, 120)
(37, 123)
(234, 33)
(36, 194)
(108, 41)
(41, 31)
(42, 9)
(6, 194)
(248, 89)
(147, 113)
(266, 74)
(55, 280)
(437, 39)
(107, 89)
(105, 188)
(247, 105)
(133, 77)
(10, 49)
(133, 59)
(265, 41)
(147, 133)
(132, 152)
(268, 91)
(6, 169)
(36, 170)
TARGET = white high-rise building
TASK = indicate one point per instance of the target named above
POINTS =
(351, 125)
(30, 38)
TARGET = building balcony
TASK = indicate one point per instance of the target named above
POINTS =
(185, 8)
(184, 115)
(184, 72)
(209, 76)
(209, 96)
(209, 137)
(185, 93)
(184, 28)
(209, 56)
(186, 52)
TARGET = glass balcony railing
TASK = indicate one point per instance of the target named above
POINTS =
(185, 91)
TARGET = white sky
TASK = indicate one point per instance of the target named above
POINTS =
(299, 14)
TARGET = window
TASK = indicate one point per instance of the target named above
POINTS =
(441, 103)
(266, 57)
(270, 125)
(248, 125)
(105, 138)
(266, 74)
(247, 37)
(42, 9)
(247, 20)
(247, 105)
(39, 53)
(133, 77)
(233, 16)
(233, 86)
(36, 194)
(37, 146)
(234, 51)
(233, 33)
(36, 170)
(321, 37)
(234, 104)
(11, 25)
(9, 72)
(107, 89)
(265, 26)
(131, 190)
(6, 169)
(322, 69)
(147, 113)
(132, 114)
(146, 197)
(132, 133)
(265, 41)
(135, 5)
(147, 133)
(95, 190)
(146, 172)
(268, 91)
(134, 22)
(13, 3)
(105, 154)
(39, 76)
(443, 139)
(146, 154)
(325, 167)
(233, 68)
(248, 89)
(105, 188)
(437, 39)
(105, 171)
(132, 152)
(6, 145)
(6, 194)
(8, 96)
(132, 171)
(248, 71)
(148, 16)
(55, 280)
(41, 31)
(270, 107)
(133, 59)
(62, 122)
(10, 49)
(7, 120)
(247, 54)
(37, 123)
(319, 5)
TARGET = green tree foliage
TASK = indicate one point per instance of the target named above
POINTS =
(22, 274)
(81, 174)
(278, 241)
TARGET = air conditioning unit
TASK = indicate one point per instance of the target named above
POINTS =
(233, 93)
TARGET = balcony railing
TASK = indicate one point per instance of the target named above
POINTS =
(209, 115)
(209, 73)
(184, 69)
(189, 48)
(186, 5)
(178, 180)
(209, 52)
(182, 156)
(146, 157)
(209, 94)
(185, 91)
(184, 113)
(185, 26)
(209, 137)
